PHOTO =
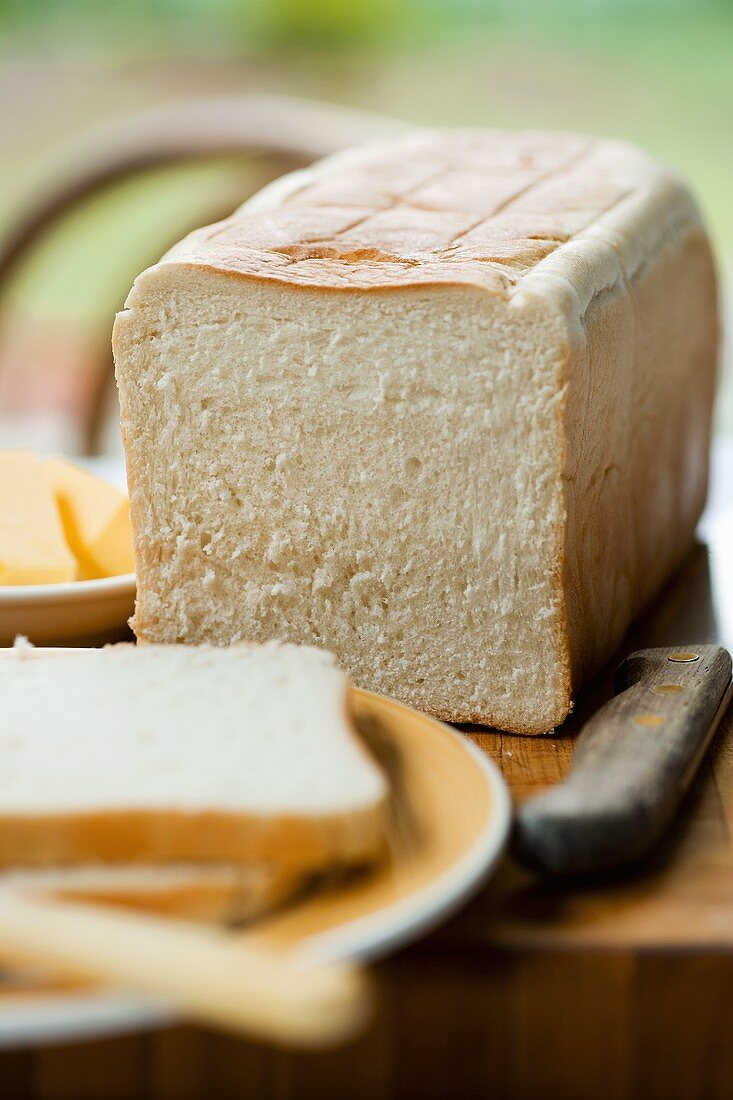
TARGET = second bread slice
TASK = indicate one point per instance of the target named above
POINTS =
(196, 891)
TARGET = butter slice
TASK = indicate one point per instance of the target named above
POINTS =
(33, 549)
(96, 519)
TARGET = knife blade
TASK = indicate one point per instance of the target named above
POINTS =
(633, 762)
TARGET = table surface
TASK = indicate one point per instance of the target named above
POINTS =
(616, 986)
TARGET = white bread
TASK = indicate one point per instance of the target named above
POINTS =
(163, 754)
(440, 406)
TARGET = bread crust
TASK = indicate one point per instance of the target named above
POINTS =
(159, 835)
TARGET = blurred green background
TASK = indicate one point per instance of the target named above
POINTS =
(655, 72)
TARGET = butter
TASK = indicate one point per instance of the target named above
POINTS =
(33, 549)
(95, 517)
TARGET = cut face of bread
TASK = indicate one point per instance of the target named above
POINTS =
(441, 407)
(363, 492)
(160, 754)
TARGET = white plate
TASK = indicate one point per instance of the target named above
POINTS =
(74, 613)
(448, 847)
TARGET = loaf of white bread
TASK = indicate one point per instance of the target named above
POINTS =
(192, 779)
(441, 406)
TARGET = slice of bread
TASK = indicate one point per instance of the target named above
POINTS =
(171, 753)
(203, 891)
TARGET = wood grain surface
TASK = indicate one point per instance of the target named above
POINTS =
(611, 987)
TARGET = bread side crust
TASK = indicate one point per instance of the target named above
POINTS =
(656, 223)
(653, 331)
(158, 835)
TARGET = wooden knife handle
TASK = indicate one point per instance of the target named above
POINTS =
(633, 762)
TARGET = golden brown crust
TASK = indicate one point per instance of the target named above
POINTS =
(435, 207)
(158, 835)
